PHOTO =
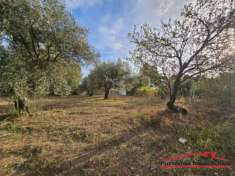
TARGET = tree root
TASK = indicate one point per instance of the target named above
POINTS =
(177, 109)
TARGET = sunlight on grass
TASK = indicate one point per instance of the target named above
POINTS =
(109, 135)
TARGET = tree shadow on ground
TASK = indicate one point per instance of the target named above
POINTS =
(74, 166)
(8, 117)
(80, 164)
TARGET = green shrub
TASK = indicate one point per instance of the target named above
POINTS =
(219, 138)
(146, 91)
(228, 136)
(202, 138)
(219, 90)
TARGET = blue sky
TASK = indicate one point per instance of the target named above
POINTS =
(110, 21)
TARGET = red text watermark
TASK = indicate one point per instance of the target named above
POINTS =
(177, 161)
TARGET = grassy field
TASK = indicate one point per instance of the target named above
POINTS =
(122, 136)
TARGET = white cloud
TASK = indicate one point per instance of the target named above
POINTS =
(153, 11)
(106, 18)
(152, 7)
(110, 34)
(75, 4)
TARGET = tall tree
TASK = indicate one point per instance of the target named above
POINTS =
(41, 35)
(43, 31)
(195, 44)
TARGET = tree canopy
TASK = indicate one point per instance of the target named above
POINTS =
(195, 44)
(43, 31)
(43, 40)
(108, 75)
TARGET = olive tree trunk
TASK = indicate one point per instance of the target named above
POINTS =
(106, 95)
(171, 103)
(173, 95)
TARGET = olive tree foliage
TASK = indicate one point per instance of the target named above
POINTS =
(108, 75)
(195, 44)
(147, 76)
(89, 85)
(46, 47)
(43, 31)
(60, 78)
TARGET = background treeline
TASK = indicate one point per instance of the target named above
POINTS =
(219, 89)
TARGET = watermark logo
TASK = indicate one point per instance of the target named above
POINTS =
(198, 160)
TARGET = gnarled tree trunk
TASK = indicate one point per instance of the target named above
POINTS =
(173, 95)
(106, 95)
(21, 105)
(90, 93)
(171, 103)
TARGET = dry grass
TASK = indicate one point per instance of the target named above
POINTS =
(91, 136)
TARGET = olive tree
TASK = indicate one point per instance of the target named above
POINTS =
(42, 38)
(42, 32)
(108, 75)
(195, 44)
